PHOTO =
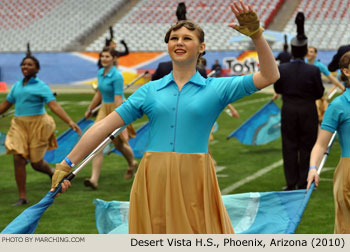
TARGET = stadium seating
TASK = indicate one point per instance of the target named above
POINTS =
(144, 27)
(50, 25)
(326, 22)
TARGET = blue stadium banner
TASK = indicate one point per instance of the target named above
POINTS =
(261, 128)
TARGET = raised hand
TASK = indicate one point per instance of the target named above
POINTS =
(248, 20)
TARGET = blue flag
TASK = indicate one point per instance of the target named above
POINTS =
(66, 142)
(263, 127)
(2, 143)
(140, 142)
(250, 213)
(28, 220)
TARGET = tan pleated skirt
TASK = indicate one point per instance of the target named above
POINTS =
(31, 136)
(177, 193)
(105, 110)
(341, 192)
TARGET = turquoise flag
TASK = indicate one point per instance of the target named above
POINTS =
(250, 213)
(66, 142)
(140, 142)
(2, 143)
(263, 127)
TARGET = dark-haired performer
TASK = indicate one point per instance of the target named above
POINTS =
(175, 188)
(32, 130)
(300, 85)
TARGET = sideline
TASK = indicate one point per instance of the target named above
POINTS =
(252, 177)
(251, 101)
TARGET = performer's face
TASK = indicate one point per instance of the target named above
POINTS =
(29, 68)
(311, 53)
(106, 59)
(113, 45)
(184, 45)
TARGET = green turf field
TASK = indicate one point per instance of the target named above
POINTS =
(73, 212)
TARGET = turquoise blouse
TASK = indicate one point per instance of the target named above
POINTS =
(337, 118)
(181, 121)
(111, 84)
(31, 98)
(321, 66)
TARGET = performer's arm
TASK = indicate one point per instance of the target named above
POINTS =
(317, 153)
(4, 106)
(59, 111)
(95, 101)
(249, 25)
(118, 100)
(335, 82)
(89, 141)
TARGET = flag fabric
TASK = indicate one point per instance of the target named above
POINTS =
(28, 220)
(140, 142)
(66, 142)
(2, 143)
(261, 128)
(250, 213)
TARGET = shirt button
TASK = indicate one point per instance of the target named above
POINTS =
(171, 143)
(173, 109)
(172, 126)
(175, 94)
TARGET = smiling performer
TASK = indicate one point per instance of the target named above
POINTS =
(110, 92)
(32, 130)
(175, 189)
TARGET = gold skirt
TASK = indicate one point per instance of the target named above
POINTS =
(31, 136)
(177, 193)
(341, 192)
(105, 110)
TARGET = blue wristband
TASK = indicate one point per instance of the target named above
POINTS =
(312, 167)
(70, 163)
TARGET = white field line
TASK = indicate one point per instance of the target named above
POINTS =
(251, 101)
(219, 168)
(81, 103)
(326, 179)
(325, 169)
(252, 177)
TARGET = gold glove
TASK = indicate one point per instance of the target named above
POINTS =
(61, 172)
(249, 24)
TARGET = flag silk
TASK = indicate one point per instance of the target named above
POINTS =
(66, 142)
(139, 143)
(250, 213)
(261, 128)
(28, 220)
(2, 143)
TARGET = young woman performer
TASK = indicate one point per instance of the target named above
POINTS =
(110, 91)
(175, 189)
(336, 118)
(32, 130)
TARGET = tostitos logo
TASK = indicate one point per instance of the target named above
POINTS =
(246, 63)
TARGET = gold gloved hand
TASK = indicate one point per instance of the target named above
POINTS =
(249, 24)
(61, 172)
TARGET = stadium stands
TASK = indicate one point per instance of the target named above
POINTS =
(58, 25)
(144, 27)
(50, 25)
(326, 22)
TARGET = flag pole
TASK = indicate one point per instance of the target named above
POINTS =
(97, 150)
(331, 141)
